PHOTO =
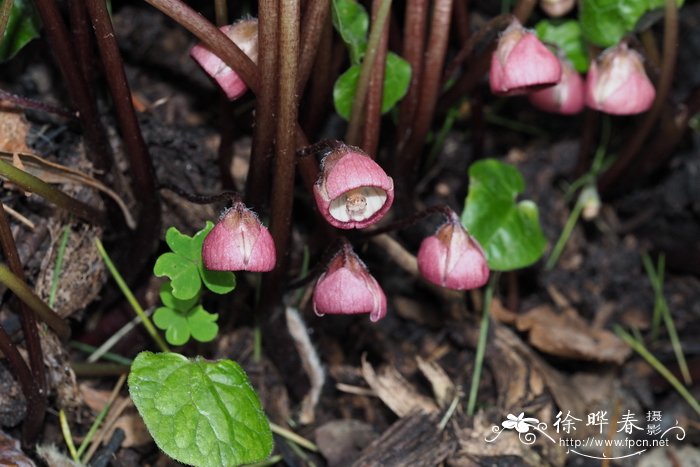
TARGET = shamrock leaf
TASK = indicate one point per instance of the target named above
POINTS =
(508, 231)
(182, 319)
(185, 269)
(199, 412)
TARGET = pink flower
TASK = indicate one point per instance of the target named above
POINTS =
(617, 83)
(244, 34)
(347, 288)
(521, 63)
(239, 242)
(566, 97)
(353, 191)
(452, 258)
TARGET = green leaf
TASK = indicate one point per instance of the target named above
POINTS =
(22, 27)
(397, 77)
(508, 231)
(351, 21)
(396, 80)
(344, 91)
(182, 319)
(199, 412)
(568, 37)
(185, 269)
(605, 22)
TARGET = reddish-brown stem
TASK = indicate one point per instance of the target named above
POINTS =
(313, 24)
(27, 103)
(429, 90)
(62, 47)
(33, 422)
(320, 90)
(413, 49)
(373, 109)
(461, 12)
(352, 136)
(523, 10)
(139, 159)
(670, 52)
(36, 397)
(83, 41)
(407, 221)
(257, 188)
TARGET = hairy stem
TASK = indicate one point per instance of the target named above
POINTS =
(352, 135)
(668, 65)
(27, 103)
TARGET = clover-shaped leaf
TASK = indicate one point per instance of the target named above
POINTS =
(185, 269)
(508, 231)
(199, 412)
(182, 319)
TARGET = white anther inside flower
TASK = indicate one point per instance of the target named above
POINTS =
(358, 204)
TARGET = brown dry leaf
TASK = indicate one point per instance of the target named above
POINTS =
(135, 431)
(342, 441)
(397, 393)
(443, 387)
(51, 172)
(13, 128)
(501, 313)
(11, 454)
(567, 335)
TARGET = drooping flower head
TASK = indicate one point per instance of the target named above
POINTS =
(617, 83)
(521, 63)
(347, 288)
(352, 191)
(566, 97)
(244, 34)
(239, 242)
(452, 258)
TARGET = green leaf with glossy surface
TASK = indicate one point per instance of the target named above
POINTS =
(351, 21)
(397, 77)
(200, 412)
(605, 22)
(508, 231)
(568, 37)
(22, 27)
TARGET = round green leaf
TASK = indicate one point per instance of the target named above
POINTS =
(174, 323)
(351, 21)
(220, 282)
(508, 231)
(202, 324)
(199, 412)
(183, 273)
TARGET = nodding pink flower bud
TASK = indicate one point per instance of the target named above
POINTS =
(566, 97)
(239, 242)
(617, 83)
(347, 288)
(521, 63)
(557, 8)
(352, 191)
(452, 258)
(244, 34)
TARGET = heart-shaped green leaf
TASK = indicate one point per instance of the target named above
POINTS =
(199, 412)
(22, 26)
(508, 231)
(605, 22)
(567, 36)
(351, 21)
